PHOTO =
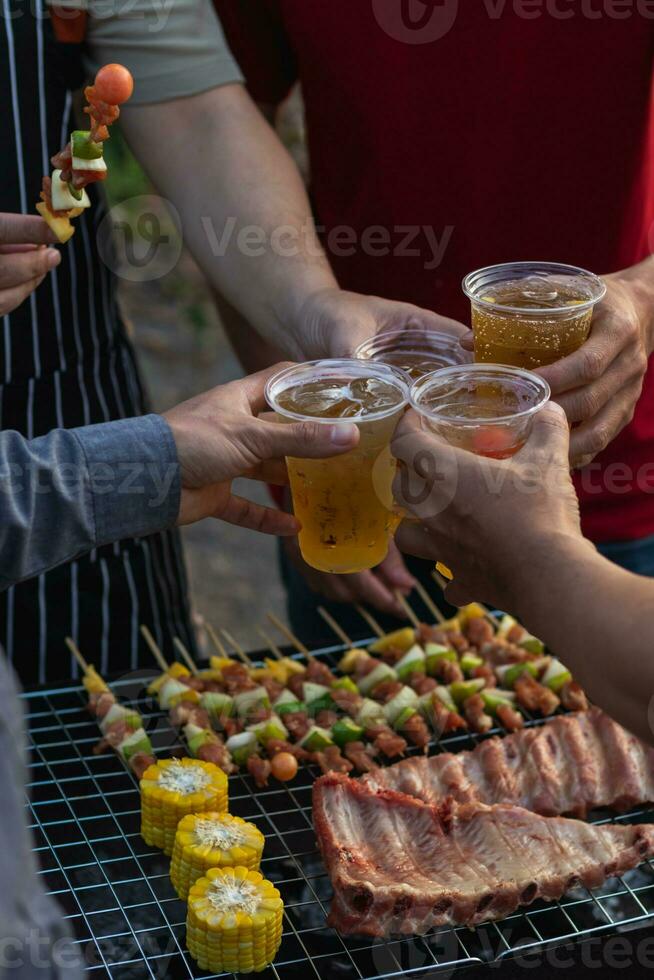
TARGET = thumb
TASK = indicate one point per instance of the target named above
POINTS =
(550, 434)
(308, 440)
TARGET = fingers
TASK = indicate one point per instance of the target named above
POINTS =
(393, 573)
(420, 541)
(305, 440)
(467, 340)
(24, 229)
(592, 437)
(622, 381)
(255, 384)
(550, 434)
(270, 471)
(12, 298)
(20, 267)
(256, 517)
(610, 334)
(363, 587)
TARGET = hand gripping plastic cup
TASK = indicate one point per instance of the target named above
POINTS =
(344, 503)
(528, 314)
(414, 351)
(487, 409)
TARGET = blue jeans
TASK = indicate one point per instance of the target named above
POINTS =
(635, 556)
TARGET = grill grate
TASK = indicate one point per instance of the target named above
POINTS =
(129, 923)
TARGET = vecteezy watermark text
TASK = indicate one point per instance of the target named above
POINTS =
(339, 241)
(427, 21)
(151, 481)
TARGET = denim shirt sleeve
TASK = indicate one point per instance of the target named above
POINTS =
(76, 489)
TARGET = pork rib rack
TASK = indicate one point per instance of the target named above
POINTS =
(570, 765)
(400, 866)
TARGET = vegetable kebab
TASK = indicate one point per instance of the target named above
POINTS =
(180, 691)
(122, 728)
(81, 162)
(487, 670)
(339, 744)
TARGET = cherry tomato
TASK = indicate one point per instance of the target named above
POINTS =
(113, 84)
(284, 766)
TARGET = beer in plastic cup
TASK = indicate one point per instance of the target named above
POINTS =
(344, 503)
(487, 409)
(528, 314)
(414, 351)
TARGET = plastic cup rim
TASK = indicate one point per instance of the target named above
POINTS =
(417, 389)
(390, 334)
(397, 376)
(554, 267)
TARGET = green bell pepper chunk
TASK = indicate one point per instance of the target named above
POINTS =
(83, 146)
(290, 706)
(345, 684)
(345, 730)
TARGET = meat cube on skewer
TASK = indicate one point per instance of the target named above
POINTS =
(361, 756)
(511, 720)
(573, 697)
(475, 713)
(535, 696)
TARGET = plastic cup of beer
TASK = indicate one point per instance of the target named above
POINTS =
(529, 314)
(414, 351)
(344, 503)
(487, 409)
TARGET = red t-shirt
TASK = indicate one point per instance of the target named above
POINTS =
(506, 137)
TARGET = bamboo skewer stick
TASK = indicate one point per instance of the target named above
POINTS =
(154, 649)
(290, 636)
(185, 655)
(270, 643)
(429, 603)
(370, 620)
(411, 616)
(217, 642)
(335, 628)
(240, 652)
(74, 649)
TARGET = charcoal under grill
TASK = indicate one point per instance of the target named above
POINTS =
(129, 923)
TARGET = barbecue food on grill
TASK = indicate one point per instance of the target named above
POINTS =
(569, 765)
(174, 787)
(212, 840)
(400, 866)
(122, 728)
(234, 922)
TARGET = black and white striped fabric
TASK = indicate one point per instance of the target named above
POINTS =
(65, 361)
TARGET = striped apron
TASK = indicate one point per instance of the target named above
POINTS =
(65, 360)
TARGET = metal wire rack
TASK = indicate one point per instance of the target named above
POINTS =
(129, 923)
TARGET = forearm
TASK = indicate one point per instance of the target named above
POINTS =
(253, 353)
(73, 490)
(598, 619)
(245, 214)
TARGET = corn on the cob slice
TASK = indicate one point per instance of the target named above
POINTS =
(171, 789)
(234, 921)
(212, 840)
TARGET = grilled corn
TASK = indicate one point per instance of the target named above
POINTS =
(174, 787)
(212, 840)
(234, 921)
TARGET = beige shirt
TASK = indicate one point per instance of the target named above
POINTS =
(173, 48)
